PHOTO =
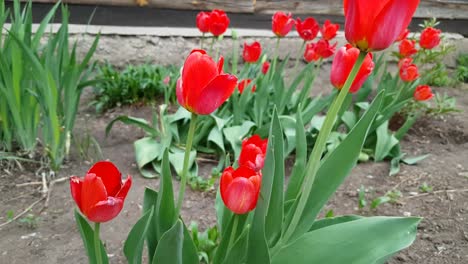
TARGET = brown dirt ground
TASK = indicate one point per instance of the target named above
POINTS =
(442, 236)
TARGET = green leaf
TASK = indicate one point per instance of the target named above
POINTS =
(150, 199)
(181, 114)
(289, 129)
(274, 217)
(237, 252)
(329, 221)
(177, 160)
(133, 246)
(414, 160)
(216, 137)
(349, 118)
(361, 241)
(258, 236)
(169, 249)
(87, 234)
(146, 151)
(165, 207)
(297, 174)
(235, 134)
(329, 175)
(189, 252)
(139, 122)
(385, 142)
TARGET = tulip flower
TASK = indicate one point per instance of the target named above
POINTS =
(329, 30)
(342, 65)
(203, 22)
(244, 83)
(203, 87)
(282, 23)
(218, 22)
(423, 93)
(409, 72)
(430, 38)
(265, 67)
(240, 189)
(101, 193)
(403, 35)
(407, 48)
(375, 25)
(252, 52)
(319, 50)
(307, 29)
(253, 152)
(405, 62)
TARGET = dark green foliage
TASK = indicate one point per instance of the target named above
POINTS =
(136, 83)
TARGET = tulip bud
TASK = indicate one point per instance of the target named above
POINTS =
(240, 189)
(282, 24)
(430, 38)
(342, 65)
(252, 52)
(423, 93)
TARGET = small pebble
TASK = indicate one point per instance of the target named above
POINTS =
(407, 214)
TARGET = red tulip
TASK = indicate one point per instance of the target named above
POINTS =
(405, 62)
(245, 83)
(203, 22)
(375, 25)
(430, 38)
(403, 35)
(321, 49)
(329, 30)
(308, 29)
(282, 24)
(252, 52)
(101, 193)
(219, 22)
(423, 93)
(240, 189)
(342, 65)
(409, 72)
(203, 87)
(253, 152)
(407, 48)
(265, 67)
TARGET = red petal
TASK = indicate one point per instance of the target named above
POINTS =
(226, 179)
(244, 172)
(93, 191)
(75, 188)
(109, 175)
(199, 70)
(390, 22)
(125, 188)
(105, 210)
(240, 195)
(214, 94)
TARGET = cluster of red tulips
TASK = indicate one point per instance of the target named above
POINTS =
(429, 39)
(240, 187)
(203, 87)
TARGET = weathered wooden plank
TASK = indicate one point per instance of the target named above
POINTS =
(447, 9)
(235, 6)
(444, 9)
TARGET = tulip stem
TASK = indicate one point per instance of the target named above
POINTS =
(97, 243)
(275, 58)
(212, 44)
(233, 232)
(313, 163)
(188, 148)
(299, 56)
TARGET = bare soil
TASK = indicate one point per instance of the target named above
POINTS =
(442, 236)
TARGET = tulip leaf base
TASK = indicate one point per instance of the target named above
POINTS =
(87, 234)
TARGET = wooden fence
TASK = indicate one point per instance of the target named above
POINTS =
(446, 9)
